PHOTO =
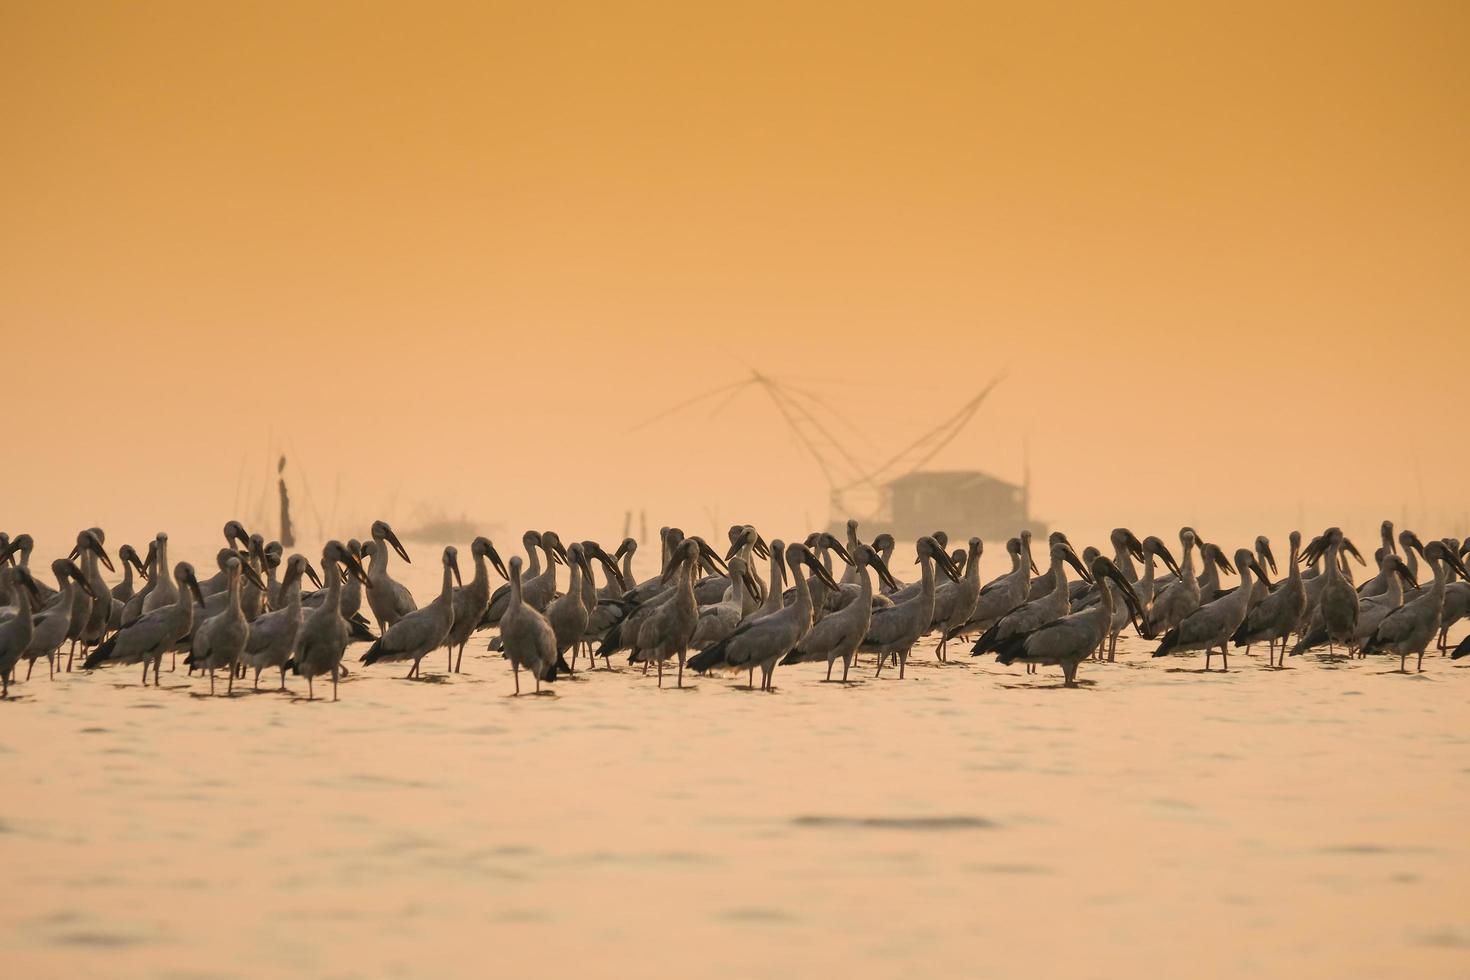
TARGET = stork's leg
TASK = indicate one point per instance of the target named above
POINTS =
(32, 667)
(1224, 658)
(1403, 663)
(681, 668)
(829, 669)
(411, 670)
(230, 688)
(516, 669)
(1208, 652)
(903, 660)
(1420, 667)
(846, 663)
(256, 686)
(335, 670)
(211, 682)
(750, 678)
(660, 672)
(449, 652)
(311, 691)
(880, 666)
(145, 672)
(283, 677)
(460, 658)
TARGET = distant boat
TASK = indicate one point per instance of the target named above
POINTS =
(442, 529)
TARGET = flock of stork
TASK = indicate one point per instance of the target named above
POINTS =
(253, 613)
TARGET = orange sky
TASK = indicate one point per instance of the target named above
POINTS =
(449, 254)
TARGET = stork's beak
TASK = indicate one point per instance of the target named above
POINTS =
(713, 557)
(1135, 547)
(762, 550)
(819, 571)
(1226, 565)
(76, 575)
(1405, 574)
(312, 575)
(101, 554)
(392, 539)
(884, 575)
(752, 584)
(1256, 567)
(252, 576)
(191, 582)
(836, 547)
(30, 584)
(946, 565)
(1352, 549)
(1270, 558)
(1076, 563)
(494, 557)
(1454, 562)
(1168, 559)
(354, 568)
(674, 566)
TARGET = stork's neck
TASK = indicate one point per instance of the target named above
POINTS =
(1149, 560)
(1393, 587)
(1123, 558)
(737, 589)
(1102, 613)
(574, 582)
(774, 598)
(334, 586)
(1186, 571)
(1441, 576)
(22, 602)
(628, 568)
(378, 565)
(1210, 577)
(291, 590)
(1334, 564)
(926, 576)
(446, 590)
(803, 605)
(234, 600)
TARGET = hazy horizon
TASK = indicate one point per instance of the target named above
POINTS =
(450, 258)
